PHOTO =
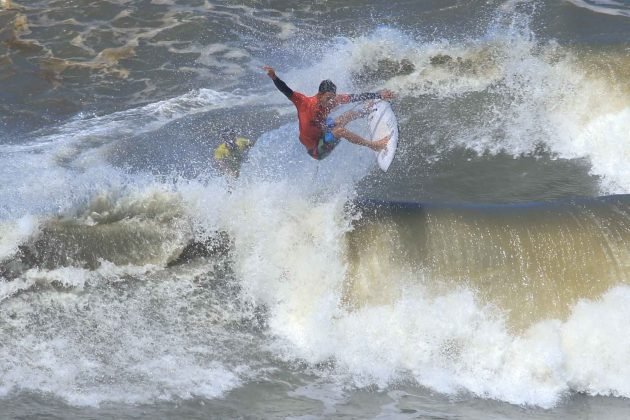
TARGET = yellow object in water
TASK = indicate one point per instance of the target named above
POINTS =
(224, 152)
(230, 158)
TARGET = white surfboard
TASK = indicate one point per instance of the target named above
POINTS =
(382, 122)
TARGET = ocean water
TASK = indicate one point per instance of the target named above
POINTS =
(485, 275)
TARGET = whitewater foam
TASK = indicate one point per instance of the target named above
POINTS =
(14, 233)
(116, 334)
(449, 341)
(604, 141)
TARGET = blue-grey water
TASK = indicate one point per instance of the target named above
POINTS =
(485, 275)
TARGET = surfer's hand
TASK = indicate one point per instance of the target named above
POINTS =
(386, 94)
(270, 72)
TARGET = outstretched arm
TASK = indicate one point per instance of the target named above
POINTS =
(358, 97)
(282, 87)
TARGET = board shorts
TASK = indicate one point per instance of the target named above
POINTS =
(326, 143)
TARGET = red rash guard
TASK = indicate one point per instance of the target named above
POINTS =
(312, 115)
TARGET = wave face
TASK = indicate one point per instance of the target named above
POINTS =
(534, 262)
(502, 302)
(492, 260)
(492, 301)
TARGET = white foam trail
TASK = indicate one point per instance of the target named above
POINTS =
(69, 157)
(36, 184)
(139, 120)
(10, 288)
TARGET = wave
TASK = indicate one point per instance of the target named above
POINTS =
(532, 261)
(90, 337)
(431, 297)
(73, 158)
(491, 300)
(124, 285)
(506, 92)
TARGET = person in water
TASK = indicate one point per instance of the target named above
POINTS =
(319, 133)
(230, 153)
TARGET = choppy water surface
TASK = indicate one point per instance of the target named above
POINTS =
(486, 274)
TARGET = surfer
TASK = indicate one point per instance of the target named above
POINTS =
(319, 133)
(231, 151)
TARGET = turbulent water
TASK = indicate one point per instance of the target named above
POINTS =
(486, 274)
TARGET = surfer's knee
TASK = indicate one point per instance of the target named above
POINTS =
(346, 117)
(339, 122)
(339, 132)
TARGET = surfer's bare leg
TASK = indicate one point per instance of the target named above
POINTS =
(341, 132)
(347, 117)
(350, 116)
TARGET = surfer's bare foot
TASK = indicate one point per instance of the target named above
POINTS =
(380, 144)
